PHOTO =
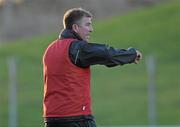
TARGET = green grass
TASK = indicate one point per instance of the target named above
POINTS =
(120, 93)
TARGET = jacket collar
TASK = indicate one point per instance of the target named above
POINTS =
(68, 33)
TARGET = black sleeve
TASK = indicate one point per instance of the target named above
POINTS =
(84, 54)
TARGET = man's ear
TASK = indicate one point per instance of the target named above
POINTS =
(75, 28)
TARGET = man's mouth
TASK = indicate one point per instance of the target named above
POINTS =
(87, 36)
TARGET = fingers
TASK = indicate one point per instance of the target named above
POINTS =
(138, 57)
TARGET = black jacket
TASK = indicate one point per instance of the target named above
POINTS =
(84, 54)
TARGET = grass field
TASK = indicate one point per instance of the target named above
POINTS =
(120, 93)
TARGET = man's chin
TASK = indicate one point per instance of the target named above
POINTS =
(86, 39)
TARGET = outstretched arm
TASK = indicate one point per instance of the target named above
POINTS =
(84, 54)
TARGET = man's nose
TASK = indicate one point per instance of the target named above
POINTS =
(91, 29)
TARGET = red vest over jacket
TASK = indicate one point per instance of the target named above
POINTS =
(66, 86)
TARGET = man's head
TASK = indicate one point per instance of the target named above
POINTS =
(78, 20)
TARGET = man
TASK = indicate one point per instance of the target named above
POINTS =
(67, 100)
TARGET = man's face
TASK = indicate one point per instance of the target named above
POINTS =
(85, 28)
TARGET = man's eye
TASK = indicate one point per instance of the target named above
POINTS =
(87, 24)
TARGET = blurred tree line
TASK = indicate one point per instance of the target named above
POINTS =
(27, 18)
